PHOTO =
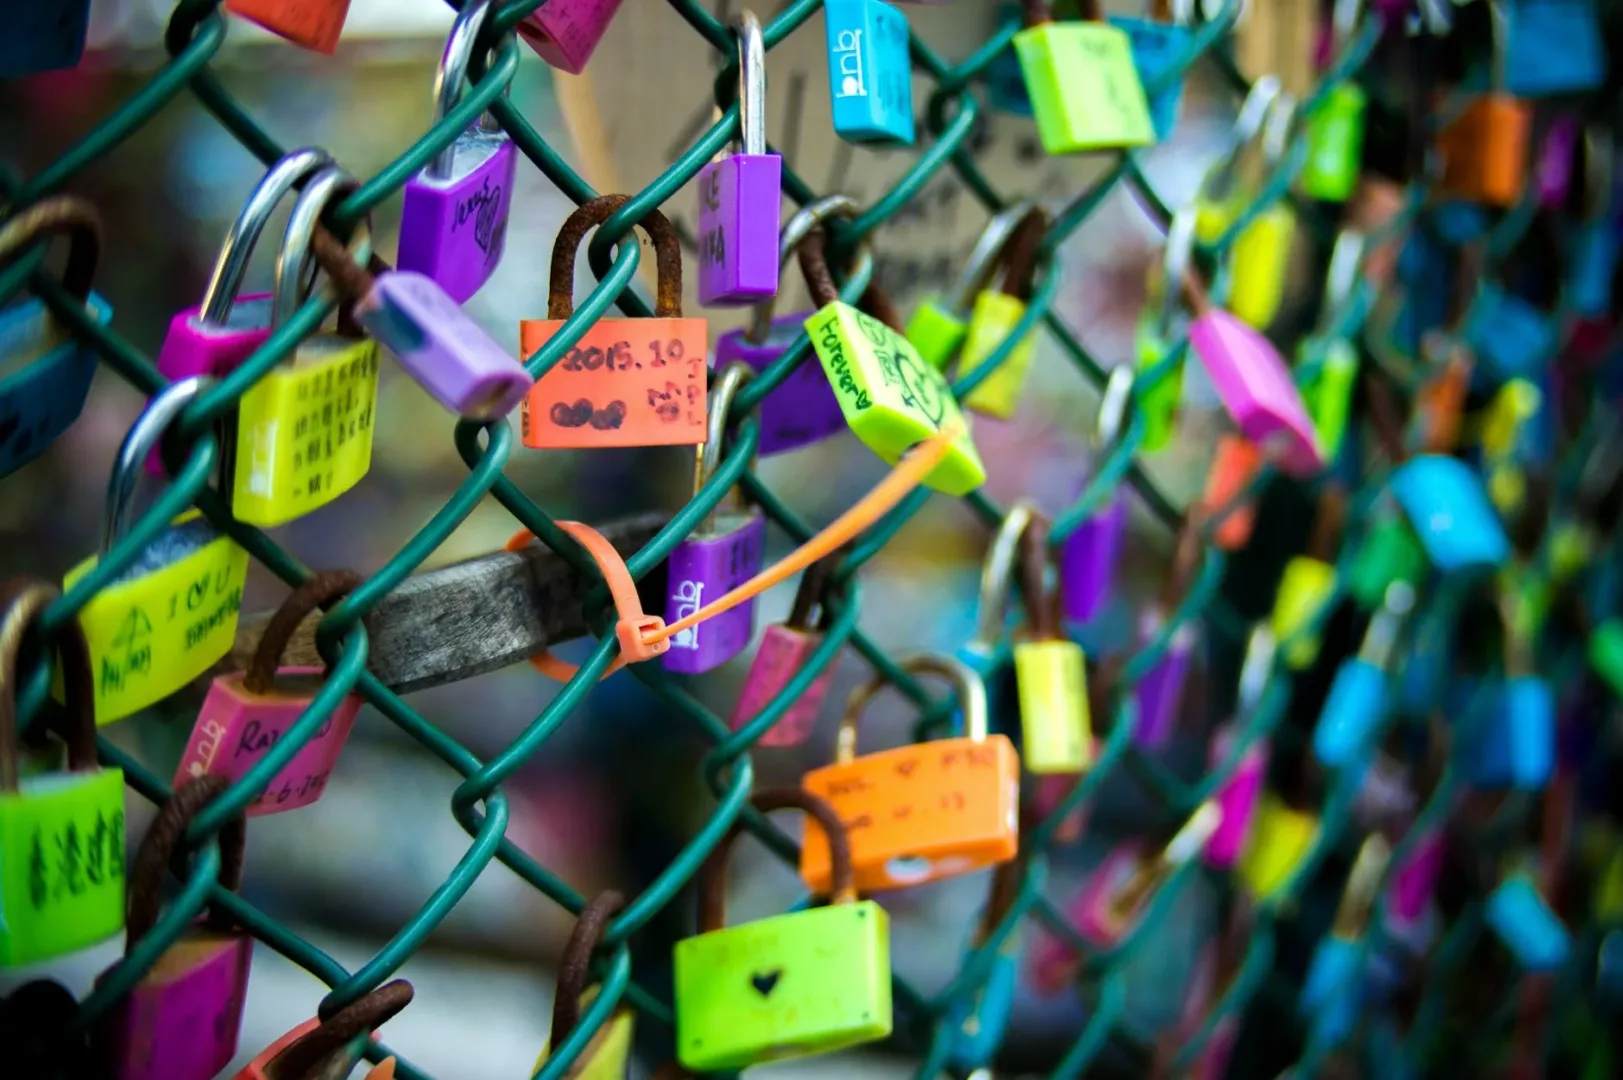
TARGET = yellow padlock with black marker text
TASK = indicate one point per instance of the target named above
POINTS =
(1308, 582)
(1050, 671)
(993, 319)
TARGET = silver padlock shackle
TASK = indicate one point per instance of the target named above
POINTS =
(231, 264)
(295, 265)
(997, 573)
(726, 387)
(806, 219)
(1276, 132)
(1250, 124)
(1114, 405)
(1344, 16)
(971, 700)
(1175, 266)
(751, 84)
(138, 443)
(452, 73)
(983, 257)
(1341, 280)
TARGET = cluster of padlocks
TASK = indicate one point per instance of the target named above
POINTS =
(1452, 415)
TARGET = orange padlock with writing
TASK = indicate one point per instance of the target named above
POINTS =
(922, 812)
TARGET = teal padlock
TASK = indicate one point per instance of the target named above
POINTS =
(1332, 991)
(1521, 918)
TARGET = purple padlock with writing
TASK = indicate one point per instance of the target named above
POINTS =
(565, 33)
(1088, 556)
(453, 225)
(741, 195)
(183, 1019)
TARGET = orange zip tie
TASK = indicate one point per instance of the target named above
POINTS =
(643, 636)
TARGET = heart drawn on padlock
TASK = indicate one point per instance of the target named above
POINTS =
(766, 982)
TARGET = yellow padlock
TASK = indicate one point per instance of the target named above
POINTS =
(1050, 670)
(1260, 258)
(1222, 193)
(994, 316)
(605, 1057)
(1308, 580)
(1280, 838)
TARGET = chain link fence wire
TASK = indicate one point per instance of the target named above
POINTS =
(1263, 984)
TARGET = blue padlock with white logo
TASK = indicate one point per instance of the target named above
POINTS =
(1517, 914)
(870, 75)
(1551, 46)
(1450, 514)
(1332, 993)
(1357, 699)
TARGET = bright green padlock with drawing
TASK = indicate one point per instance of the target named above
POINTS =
(170, 616)
(891, 398)
(1084, 86)
(61, 834)
(801, 983)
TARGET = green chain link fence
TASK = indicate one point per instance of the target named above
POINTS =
(194, 36)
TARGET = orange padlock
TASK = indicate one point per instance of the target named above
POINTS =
(313, 24)
(1484, 150)
(331, 1047)
(1236, 461)
(922, 812)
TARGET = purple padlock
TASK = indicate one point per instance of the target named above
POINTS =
(1555, 160)
(1088, 556)
(1159, 694)
(741, 195)
(1237, 799)
(453, 226)
(727, 550)
(1415, 879)
(565, 33)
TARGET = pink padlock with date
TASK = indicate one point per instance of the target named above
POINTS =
(183, 1019)
(783, 652)
(565, 33)
(246, 714)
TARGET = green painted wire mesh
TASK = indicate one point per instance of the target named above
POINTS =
(195, 34)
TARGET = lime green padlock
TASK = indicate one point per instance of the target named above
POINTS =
(892, 399)
(1606, 654)
(1308, 581)
(606, 1056)
(1050, 671)
(1084, 86)
(62, 834)
(1390, 552)
(1260, 257)
(940, 323)
(994, 318)
(1222, 194)
(1158, 399)
(1335, 130)
(1327, 361)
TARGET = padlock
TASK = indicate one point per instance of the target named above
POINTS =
(1357, 702)
(922, 812)
(941, 323)
(1085, 90)
(1240, 795)
(173, 611)
(453, 223)
(1157, 398)
(1414, 880)
(1089, 554)
(1005, 83)
(1550, 47)
(1605, 654)
(48, 35)
(802, 409)
(1512, 337)
(1389, 553)
(1333, 990)
(1521, 918)
(183, 1019)
(565, 33)
(741, 194)
(988, 653)
(1260, 257)
(725, 551)
(784, 649)
(1592, 261)
(1160, 44)
(328, 1049)
(1235, 465)
(1507, 437)
(1450, 514)
(1335, 129)
(1484, 149)
(870, 72)
(310, 24)
(1327, 362)
(1308, 582)
(1159, 693)
(891, 398)
(1115, 896)
(1513, 745)
(979, 1020)
(1222, 193)
(805, 982)
(1281, 835)
(606, 1055)
(1056, 730)
(48, 371)
(62, 886)
(223, 330)
(246, 714)
(995, 315)
(626, 382)
(1554, 170)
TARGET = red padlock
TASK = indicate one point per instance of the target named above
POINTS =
(782, 653)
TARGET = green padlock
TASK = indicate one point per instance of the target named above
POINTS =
(1606, 654)
(61, 834)
(891, 398)
(1390, 552)
(1327, 367)
(940, 323)
(1152, 337)
(1335, 131)
(1084, 86)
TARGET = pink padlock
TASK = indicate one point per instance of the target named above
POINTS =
(1415, 879)
(783, 652)
(224, 330)
(182, 1020)
(246, 714)
(565, 33)
(1238, 797)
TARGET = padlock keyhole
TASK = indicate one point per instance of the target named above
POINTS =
(908, 869)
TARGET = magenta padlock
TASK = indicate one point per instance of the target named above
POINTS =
(565, 33)
(1256, 389)
(783, 652)
(1159, 694)
(183, 1019)
(741, 195)
(1088, 556)
(221, 332)
(246, 714)
(727, 550)
(1051, 789)
(453, 225)
(1414, 880)
(1237, 799)
(1555, 160)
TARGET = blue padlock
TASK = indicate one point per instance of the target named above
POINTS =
(1431, 655)
(1357, 700)
(870, 75)
(979, 1022)
(1593, 248)
(1512, 338)
(1551, 47)
(1511, 744)
(1160, 48)
(42, 35)
(1333, 991)
(1450, 514)
(1535, 936)
(1005, 81)
(1609, 968)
